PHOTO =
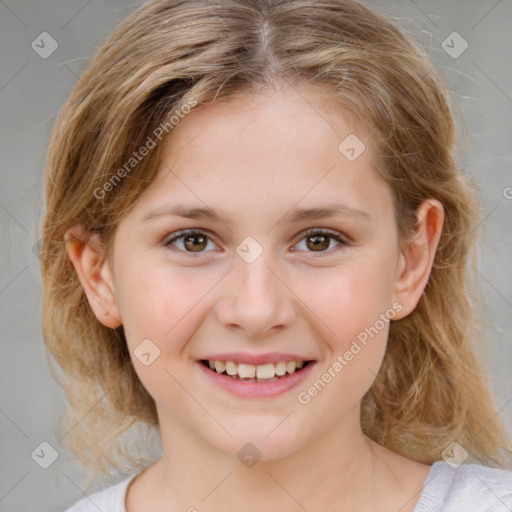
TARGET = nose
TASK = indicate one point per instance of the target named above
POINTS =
(255, 299)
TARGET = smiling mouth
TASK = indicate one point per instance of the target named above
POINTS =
(256, 373)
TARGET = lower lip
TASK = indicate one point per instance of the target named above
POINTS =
(246, 389)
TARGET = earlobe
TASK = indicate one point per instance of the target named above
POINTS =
(85, 250)
(416, 260)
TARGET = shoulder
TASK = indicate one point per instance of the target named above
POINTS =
(467, 487)
(111, 499)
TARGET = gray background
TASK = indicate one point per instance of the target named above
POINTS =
(33, 89)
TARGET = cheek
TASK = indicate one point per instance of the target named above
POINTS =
(164, 304)
(349, 298)
(353, 303)
(355, 325)
(148, 295)
(161, 309)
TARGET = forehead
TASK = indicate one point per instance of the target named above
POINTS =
(264, 124)
(279, 148)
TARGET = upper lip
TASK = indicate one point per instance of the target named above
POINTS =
(255, 359)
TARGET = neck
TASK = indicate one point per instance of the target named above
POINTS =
(334, 472)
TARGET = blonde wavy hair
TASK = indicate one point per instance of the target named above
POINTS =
(431, 389)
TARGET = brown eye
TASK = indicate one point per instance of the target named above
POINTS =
(191, 241)
(195, 243)
(318, 240)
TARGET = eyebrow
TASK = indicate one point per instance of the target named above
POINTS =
(297, 215)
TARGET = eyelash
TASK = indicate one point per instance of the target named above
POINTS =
(310, 232)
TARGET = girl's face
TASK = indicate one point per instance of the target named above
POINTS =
(255, 176)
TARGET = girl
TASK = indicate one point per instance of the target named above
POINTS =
(256, 240)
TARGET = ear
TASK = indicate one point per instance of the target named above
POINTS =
(85, 250)
(416, 259)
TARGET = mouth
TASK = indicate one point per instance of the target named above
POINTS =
(255, 376)
(270, 372)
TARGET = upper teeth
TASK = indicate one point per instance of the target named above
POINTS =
(260, 371)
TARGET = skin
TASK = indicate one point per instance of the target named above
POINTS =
(256, 160)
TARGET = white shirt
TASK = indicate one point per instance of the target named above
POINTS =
(470, 487)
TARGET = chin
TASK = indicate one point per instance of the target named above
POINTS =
(259, 439)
